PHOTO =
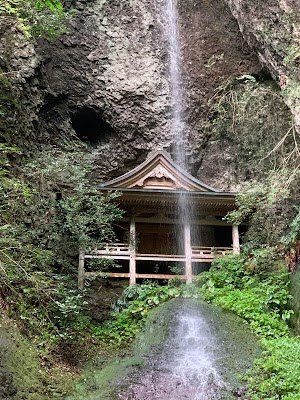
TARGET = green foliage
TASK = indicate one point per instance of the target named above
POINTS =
(43, 223)
(259, 298)
(294, 302)
(87, 217)
(268, 208)
(260, 295)
(68, 310)
(276, 376)
(37, 18)
(293, 235)
(130, 311)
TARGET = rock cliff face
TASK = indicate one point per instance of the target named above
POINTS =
(105, 82)
(272, 29)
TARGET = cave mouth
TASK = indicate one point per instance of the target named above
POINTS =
(90, 127)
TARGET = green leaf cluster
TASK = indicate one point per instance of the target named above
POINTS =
(47, 213)
(277, 375)
(258, 297)
(131, 310)
(269, 209)
(37, 18)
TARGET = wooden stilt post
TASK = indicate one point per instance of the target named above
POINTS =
(188, 252)
(81, 270)
(132, 245)
(235, 239)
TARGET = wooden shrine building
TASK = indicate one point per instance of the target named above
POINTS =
(155, 240)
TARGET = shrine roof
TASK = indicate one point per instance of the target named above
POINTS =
(159, 173)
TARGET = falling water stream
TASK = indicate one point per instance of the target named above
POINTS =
(185, 368)
(204, 351)
(175, 82)
(188, 350)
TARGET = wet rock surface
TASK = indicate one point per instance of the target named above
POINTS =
(110, 64)
(204, 353)
(7, 386)
(213, 52)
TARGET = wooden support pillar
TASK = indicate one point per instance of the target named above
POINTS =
(81, 270)
(188, 252)
(235, 239)
(132, 251)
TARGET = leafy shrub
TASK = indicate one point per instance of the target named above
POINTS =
(37, 18)
(40, 234)
(277, 374)
(131, 310)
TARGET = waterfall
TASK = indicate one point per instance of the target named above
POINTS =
(177, 127)
(184, 367)
(192, 362)
(176, 83)
(189, 351)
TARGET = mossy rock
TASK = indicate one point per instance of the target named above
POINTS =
(22, 377)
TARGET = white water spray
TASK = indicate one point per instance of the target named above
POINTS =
(191, 345)
(176, 83)
(185, 368)
(193, 362)
(185, 212)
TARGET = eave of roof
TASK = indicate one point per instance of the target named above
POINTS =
(170, 192)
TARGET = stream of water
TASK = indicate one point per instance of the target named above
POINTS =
(188, 350)
(186, 367)
(201, 358)
(176, 83)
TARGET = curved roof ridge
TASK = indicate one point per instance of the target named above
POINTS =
(154, 159)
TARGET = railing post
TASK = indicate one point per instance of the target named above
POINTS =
(81, 270)
(188, 252)
(235, 239)
(132, 245)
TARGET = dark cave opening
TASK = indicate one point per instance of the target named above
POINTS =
(90, 127)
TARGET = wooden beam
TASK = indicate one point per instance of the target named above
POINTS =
(110, 256)
(160, 276)
(132, 251)
(141, 276)
(81, 272)
(109, 274)
(188, 252)
(235, 239)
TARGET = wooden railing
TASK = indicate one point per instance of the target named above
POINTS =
(122, 251)
(117, 250)
(110, 248)
(217, 251)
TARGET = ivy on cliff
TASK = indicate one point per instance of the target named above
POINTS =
(37, 18)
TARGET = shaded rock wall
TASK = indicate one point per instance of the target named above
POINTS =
(105, 84)
(114, 62)
(214, 52)
(110, 64)
(20, 97)
(272, 29)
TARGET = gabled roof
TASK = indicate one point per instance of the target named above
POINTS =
(158, 172)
